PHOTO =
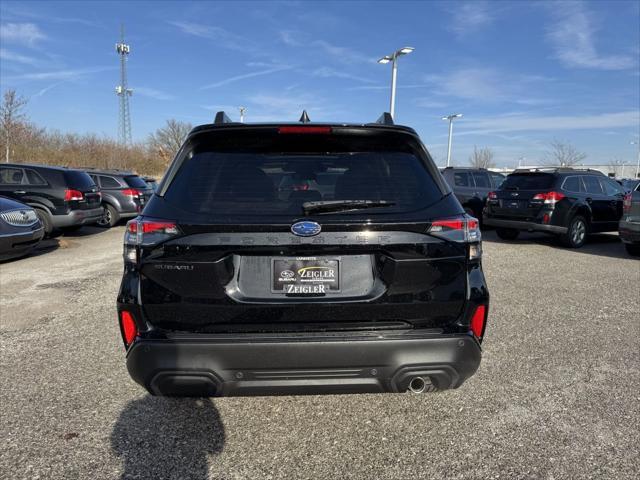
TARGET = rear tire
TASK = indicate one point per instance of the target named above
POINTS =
(45, 220)
(109, 218)
(576, 235)
(633, 249)
(507, 233)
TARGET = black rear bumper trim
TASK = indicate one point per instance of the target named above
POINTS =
(520, 225)
(294, 367)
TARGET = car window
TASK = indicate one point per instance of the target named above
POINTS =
(135, 181)
(592, 184)
(573, 184)
(279, 173)
(34, 178)
(11, 176)
(78, 179)
(528, 181)
(462, 179)
(109, 182)
(610, 187)
(497, 179)
(482, 179)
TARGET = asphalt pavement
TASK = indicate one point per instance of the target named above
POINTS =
(557, 395)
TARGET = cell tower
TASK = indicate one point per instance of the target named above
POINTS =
(123, 93)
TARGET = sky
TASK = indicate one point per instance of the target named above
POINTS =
(522, 73)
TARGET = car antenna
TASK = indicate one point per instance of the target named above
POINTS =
(304, 118)
(221, 117)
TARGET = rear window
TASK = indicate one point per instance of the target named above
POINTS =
(273, 174)
(135, 181)
(78, 180)
(592, 184)
(528, 181)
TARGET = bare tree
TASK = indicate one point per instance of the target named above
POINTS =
(616, 167)
(563, 154)
(482, 157)
(167, 140)
(11, 118)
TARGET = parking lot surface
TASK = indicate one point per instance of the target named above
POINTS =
(557, 394)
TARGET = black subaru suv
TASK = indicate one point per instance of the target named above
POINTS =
(63, 198)
(232, 287)
(569, 203)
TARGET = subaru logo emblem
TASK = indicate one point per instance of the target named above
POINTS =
(305, 229)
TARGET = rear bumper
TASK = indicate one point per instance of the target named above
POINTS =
(520, 225)
(289, 366)
(629, 231)
(18, 244)
(77, 217)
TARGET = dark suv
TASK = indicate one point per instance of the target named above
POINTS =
(471, 186)
(232, 287)
(569, 203)
(62, 197)
(124, 194)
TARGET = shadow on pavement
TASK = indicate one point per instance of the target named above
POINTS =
(167, 438)
(602, 244)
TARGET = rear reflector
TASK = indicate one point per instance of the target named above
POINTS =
(70, 194)
(129, 328)
(478, 321)
(304, 130)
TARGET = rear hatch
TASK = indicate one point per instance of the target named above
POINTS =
(77, 181)
(515, 198)
(225, 250)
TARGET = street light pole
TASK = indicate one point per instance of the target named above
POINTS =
(393, 59)
(638, 164)
(242, 110)
(450, 118)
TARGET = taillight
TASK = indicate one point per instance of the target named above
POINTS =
(128, 327)
(305, 130)
(70, 194)
(131, 192)
(626, 203)
(492, 196)
(478, 321)
(458, 229)
(301, 187)
(549, 197)
(147, 231)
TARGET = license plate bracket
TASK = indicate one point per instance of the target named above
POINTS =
(305, 275)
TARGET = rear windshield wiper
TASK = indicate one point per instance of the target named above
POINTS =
(343, 205)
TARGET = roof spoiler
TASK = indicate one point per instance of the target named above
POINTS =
(221, 118)
(385, 119)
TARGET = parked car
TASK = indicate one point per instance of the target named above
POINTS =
(124, 194)
(629, 184)
(20, 229)
(471, 186)
(565, 202)
(229, 289)
(629, 227)
(151, 182)
(63, 198)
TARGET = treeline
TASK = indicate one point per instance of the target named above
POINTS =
(24, 142)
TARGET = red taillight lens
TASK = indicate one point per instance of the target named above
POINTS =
(147, 231)
(478, 320)
(549, 197)
(459, 229)
(131, 192)
(129, 328)
(493, 196)
(307, 130)
(301, 187)
(626, 204)
(159, 227)
(70, 194)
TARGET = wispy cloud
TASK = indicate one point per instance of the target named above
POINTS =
(70, 74)
(515, 123)
(10, 56)
(21, 33)
(327, 72)
(470, 17)
(341, 54)
(244, 76)
(225, 38)
(572, 35)
(153, 93)
(43, 91)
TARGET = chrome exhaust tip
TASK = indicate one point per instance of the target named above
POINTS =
(417, 385)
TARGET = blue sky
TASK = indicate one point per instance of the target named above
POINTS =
(522, 73)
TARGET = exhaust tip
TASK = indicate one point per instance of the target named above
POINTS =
(417, 385)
